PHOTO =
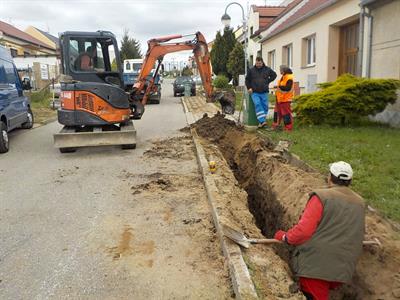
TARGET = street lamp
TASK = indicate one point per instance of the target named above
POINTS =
(226, 21)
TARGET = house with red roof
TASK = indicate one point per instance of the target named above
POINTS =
(318, 39)
(43, 36)
(322, 39)
(259, 19)
(21, 43)
(35, 58)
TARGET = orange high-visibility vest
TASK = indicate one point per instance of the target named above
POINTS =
(283, 96)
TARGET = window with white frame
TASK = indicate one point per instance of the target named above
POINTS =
(288, 55)
(271, 59)
(310, 50)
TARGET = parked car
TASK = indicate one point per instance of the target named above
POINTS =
(179, 85)
(15, 108)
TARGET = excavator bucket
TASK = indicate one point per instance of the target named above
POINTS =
(227, 100)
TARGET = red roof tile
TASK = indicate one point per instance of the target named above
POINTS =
(267, 14)
(268, 10)
(310, 8)
(10, 30)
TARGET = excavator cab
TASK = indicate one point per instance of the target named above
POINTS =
(91, 57)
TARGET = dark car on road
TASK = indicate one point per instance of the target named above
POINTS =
(15, 108)
(179, 85)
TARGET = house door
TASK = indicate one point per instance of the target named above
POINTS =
(349, 36)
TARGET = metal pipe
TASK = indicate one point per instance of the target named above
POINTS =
(361, 42)
(245, 33)
(226, 8)
(369, 56)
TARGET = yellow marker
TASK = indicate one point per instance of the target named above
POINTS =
(212, 166)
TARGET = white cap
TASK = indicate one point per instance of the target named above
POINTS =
(341, 170)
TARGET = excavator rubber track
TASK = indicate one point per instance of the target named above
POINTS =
(71, 138)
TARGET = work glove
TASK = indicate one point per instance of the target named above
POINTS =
(280, 235)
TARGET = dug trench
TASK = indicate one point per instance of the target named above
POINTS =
(276, 188)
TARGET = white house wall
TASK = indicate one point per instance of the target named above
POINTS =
(253, 47)
(385, 59)
(25, 62)
(324, 26)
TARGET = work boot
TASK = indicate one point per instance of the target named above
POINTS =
(261, 125)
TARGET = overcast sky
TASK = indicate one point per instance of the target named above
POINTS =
(143, 19)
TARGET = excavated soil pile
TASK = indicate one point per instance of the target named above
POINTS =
(277, 192)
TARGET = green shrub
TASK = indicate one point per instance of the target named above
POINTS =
(346, 100)
(221, 82)
(41, 95)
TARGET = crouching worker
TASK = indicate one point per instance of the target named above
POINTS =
(329, 236)
(284, 97)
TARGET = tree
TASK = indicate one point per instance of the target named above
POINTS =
(236, 63)
(114, 66)
(186, 71)
(217, 52)
(222, 47)
(130, 48)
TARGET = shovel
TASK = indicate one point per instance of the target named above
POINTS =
(239, 238)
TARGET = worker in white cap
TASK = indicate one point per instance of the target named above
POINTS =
(328, 238)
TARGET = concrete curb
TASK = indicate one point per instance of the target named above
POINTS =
(242, 284)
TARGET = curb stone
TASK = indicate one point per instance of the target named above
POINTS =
(242, 284)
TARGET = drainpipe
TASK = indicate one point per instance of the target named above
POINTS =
(361, 42)
(369, 57)
(368, 51)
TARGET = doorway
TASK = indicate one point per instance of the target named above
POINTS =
(348, 56)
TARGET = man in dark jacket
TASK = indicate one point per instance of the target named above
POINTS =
(329, 235)
(257, 81)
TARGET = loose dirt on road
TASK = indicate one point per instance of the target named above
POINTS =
(254, 177)
(165, 237)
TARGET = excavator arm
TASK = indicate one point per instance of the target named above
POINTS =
(159, 47)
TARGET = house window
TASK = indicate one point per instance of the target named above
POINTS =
(271, 59)
(288, 55)
(310, 50)
(14, 52)
(251, 60)
(251, 30)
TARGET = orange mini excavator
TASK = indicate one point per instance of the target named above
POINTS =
(95, 109)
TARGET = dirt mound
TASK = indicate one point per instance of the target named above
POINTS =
(277, 193)
(216, 129)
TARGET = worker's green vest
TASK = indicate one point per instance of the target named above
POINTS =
(332, 252)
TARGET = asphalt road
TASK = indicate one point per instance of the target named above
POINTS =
(64, 216)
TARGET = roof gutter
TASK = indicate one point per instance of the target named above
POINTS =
(312, 13)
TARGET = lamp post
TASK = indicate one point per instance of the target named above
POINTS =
(249, 115)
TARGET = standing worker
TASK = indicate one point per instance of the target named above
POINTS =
(257, 82)
(329, 236)
(284, 97)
